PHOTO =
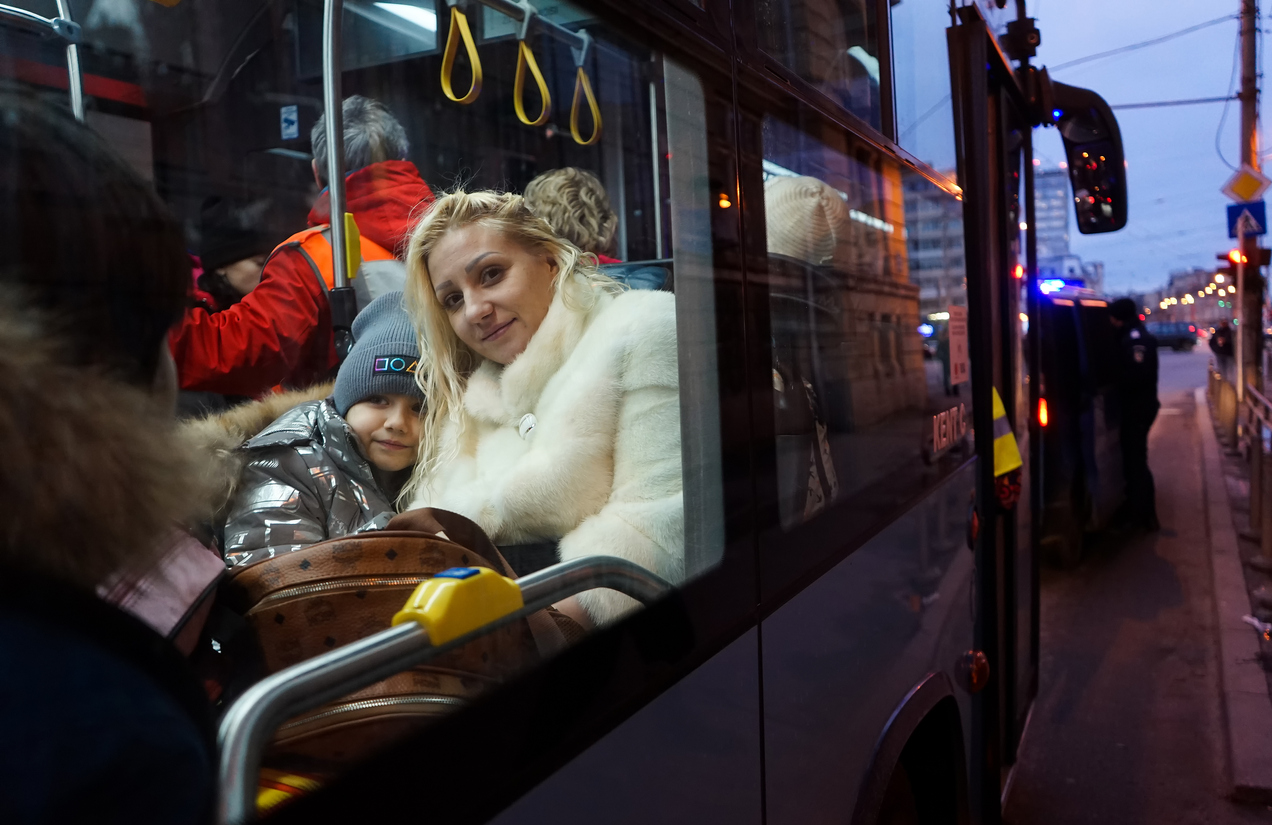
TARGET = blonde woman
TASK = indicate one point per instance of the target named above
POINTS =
(553, 394)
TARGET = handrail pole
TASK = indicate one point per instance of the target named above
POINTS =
(333, 102)
(247, 725)
(64, 27)
(591, 572)
(74, 77)
(510, 8)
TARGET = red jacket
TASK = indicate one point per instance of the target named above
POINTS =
(280, 333)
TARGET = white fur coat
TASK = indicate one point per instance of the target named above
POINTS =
(601, 470)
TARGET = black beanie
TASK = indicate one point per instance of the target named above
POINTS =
(231, 231)
(1124, 310)
(384, 356)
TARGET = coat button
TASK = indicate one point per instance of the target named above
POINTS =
(528, 421)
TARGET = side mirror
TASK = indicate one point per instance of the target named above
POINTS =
(1093, 144)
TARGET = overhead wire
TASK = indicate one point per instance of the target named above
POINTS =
(1232, 86)
(1143, 44)
(1159, 103)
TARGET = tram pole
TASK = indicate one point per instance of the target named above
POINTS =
(1250, 285)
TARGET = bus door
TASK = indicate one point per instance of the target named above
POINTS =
(864, 464)
(1019, 572)
(995, 170)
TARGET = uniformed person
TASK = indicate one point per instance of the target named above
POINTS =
(1137, 392)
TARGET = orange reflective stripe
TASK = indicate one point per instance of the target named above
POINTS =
(317, 250)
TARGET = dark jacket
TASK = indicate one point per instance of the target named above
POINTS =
(102, 719)
(1137, 370)
(1221, 342)
(280, 333)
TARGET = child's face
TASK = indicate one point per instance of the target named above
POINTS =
(388, 427)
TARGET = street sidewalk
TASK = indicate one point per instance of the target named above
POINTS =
(1243, 650)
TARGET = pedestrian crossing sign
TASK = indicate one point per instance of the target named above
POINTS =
(1247, 219)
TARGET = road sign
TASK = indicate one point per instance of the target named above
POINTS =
(1246, 184)
(289, 122)
(960, 363)
(1254, 215)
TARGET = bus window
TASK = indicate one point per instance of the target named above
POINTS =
(373, 33)
(925, 108)
(228, 96)
(833, 46)
(869, 337)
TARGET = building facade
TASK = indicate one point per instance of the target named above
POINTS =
(934, 244)
(1051, 213)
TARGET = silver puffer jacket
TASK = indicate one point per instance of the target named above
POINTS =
(305, 480)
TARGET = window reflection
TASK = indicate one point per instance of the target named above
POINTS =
(215, 103)
(921, 79)
(832, 44)
(868, 325)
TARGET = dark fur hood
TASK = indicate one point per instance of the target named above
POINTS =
(91, 475)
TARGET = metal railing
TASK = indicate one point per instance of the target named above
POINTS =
(62, 27)
(1223, 399)
(1257, 426)
(248, 724)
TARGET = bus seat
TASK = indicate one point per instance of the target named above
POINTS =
(641, 274)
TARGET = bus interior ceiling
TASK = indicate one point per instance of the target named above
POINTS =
(206, 85)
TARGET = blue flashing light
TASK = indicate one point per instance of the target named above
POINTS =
(1056, 114)
(1051, 285)
(926, 330)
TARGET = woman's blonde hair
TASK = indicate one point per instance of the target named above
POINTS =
(445, 361)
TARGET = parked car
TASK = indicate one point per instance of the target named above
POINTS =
(1178, 335)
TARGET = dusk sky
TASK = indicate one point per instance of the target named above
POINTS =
(1177, 214)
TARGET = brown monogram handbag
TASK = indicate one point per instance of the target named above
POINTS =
(310, 601)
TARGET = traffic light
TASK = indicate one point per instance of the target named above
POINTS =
(1227, 274)
(1233, 256)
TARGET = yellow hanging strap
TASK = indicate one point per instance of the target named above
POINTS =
(459, 31)
(583, 87)
(1006, 453)
(525, 58)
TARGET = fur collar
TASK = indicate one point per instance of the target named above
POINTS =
(502, 394)
(216, 440)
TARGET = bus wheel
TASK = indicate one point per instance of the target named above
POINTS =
(899, 806)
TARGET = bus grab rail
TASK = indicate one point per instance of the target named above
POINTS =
(65, 28)
(527, 19)
(249, 722)
(346, 248)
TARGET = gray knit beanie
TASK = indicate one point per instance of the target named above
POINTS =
(384, 355)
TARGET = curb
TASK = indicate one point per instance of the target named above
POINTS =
(1246, 703)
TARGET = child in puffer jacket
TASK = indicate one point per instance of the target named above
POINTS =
(326, 468)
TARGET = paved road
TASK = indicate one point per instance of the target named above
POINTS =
(1128, 725)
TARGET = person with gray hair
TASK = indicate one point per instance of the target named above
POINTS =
(281, 334)
(371, 135)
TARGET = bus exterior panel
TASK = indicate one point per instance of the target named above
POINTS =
(834, 275)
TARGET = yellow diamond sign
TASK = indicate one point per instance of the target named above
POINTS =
(1246, 184)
